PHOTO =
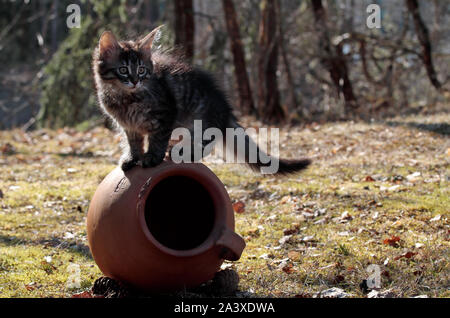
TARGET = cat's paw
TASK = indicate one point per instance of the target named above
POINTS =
(128, 164)
(152, 160)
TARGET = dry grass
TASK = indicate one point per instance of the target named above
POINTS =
(368, 183)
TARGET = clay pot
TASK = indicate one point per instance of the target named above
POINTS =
(164, 228)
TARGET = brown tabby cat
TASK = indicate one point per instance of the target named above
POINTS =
(147, 92)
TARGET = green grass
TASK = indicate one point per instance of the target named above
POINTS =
(50, 177)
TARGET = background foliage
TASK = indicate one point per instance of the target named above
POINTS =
(291, 54)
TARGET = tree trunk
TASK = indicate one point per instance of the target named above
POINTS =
(54, 27)
(268, 95)
(424, 39)
(293, 103)
(332, 57)
(185, 27)
(240, 69)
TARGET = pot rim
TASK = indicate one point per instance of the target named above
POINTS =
(210, 182)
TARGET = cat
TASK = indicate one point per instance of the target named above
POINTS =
(148, 92)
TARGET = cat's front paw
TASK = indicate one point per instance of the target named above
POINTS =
(128, 163)
(152, 160)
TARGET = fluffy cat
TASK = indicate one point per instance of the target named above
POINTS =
(147, 92)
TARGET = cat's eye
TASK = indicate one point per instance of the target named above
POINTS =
(123, 70)
(141, 70)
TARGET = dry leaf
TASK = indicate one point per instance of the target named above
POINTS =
(239, 207)
(392, 241)
(85, 294)
(407, 255)
(288, 268)
(294, 255)
(293, 230)
(303, 296)
(7, 149)
(31, 286)
(369, 179)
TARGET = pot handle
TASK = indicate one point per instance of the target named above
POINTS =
(231, 245)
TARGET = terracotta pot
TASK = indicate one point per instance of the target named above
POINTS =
(164, 228)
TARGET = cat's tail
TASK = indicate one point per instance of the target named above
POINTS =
(258, 160)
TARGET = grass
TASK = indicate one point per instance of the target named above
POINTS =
(304, 233)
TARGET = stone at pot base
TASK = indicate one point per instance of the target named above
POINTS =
(224, 283)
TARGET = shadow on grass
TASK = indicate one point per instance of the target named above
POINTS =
(71, 247)
(439, 128)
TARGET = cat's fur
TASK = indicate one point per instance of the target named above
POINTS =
(170, 94)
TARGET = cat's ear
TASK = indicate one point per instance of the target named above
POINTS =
(108, 43)
(147, 42)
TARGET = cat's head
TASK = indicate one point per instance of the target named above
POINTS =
(126, 64)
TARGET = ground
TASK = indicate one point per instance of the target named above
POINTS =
(376, 193)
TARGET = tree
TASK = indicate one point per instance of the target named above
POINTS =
(185, 27)
(293, 104)
(424, 39)
(332, 57)
(240, 69)
(68, 96)
(268, 94)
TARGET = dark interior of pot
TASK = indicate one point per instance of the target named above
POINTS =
(179, 213)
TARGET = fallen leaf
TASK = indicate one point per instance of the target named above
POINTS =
(7, 149)
(338, 279)
(369, 179)
(85, 294)
(407, 255)
(294, 255)
(385, 274)
(239, 207)
(293, 230)
(253, 232)
(288, 268)
(303, 296)
(31, 286)
(392, 241)
(346, 216)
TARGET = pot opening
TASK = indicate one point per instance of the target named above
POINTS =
(179, 213)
